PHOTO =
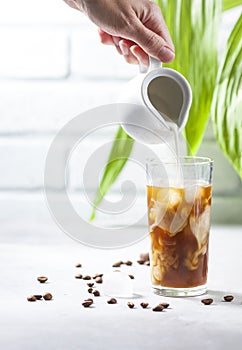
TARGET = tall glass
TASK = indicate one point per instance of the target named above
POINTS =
(179, 202)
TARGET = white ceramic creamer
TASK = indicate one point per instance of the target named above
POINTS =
(153, 101)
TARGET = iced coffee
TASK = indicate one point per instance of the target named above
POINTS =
(179, 224)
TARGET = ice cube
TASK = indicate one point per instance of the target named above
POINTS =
(157, 213)
(200, 225)
(191, 193)
(162, 195)
(118, 284)
(175, 197)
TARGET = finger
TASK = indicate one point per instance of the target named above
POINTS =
(125, 46)
(116, 41)
(141, 56)
(157, 24)
(152, 43)
(105, 38)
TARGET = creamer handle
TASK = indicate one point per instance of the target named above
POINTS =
(142, 68)
(154, 64)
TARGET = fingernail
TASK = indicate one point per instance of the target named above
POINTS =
(124, 49)
(166, 54)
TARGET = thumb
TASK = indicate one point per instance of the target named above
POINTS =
(153, 44)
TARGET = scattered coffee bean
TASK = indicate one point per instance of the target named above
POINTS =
(87, 303)
(112, 301)
(89, 299)
(38, 296)
(78, 277)
(131, 276)
(42, 279)
(141, 261)
(90, 290)
(165, 305)
(32, 298)
(96, 293)
(130, 305)
(147, 263)
(144, 256)
(207, 301)
(228, 298)
(78, 265)
(86, 278)
(47, 296)
(99, 280)
(90, 284)
(158, 308)
(144, 305)
(117, 264)
(98, 275)
(128, 263)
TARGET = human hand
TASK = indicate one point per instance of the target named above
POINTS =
(136, 28)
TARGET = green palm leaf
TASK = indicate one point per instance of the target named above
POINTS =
(227, 104)
(229, 4)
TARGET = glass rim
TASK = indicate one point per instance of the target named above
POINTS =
(184, 161)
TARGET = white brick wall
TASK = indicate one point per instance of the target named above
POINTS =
(92, 60)
(22, 162)
(45, 106)
(44, 11)
(52, 67)
(34, 53)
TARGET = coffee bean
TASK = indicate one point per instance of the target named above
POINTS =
(207, 301)
(87, 303)
(90, 290)
(128, 263)
(89, 299)
(98, 275)
(131, 276)
(144, 256)
(47, 296)
(117, 264)
(144, 305)
(78, 277)
(112, 301)
(165, 305)
(86, 278)
(96, 293)
(32, 298)
(228, 298)
(90, 284)
(78, 265)
(130, 305)
(42, 279)
(141, 261)
(38, 296)
(99, 280)
(158, 308)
